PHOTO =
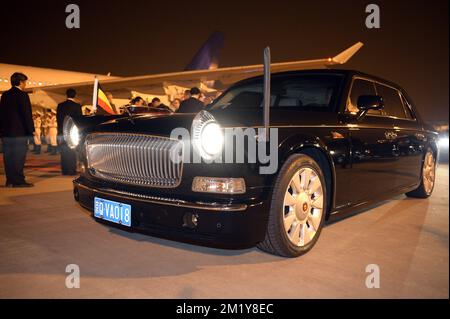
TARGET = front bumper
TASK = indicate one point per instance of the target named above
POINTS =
(224, 225)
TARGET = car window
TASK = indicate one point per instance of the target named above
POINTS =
(360, 87)
(408, 108)
(304, 92)
(393, 105)
(307, 92)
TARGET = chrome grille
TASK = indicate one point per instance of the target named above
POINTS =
(135, 159)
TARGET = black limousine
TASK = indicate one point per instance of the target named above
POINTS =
(343, 140)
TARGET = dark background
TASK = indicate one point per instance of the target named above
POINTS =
(135, 38)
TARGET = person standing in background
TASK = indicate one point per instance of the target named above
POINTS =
(53, 132)
(37, 132)
(87, 111)
(109, 96)
(192, 104)
(175, 104)
(45, 126)
(16, 127)
(207, 100)
(157, 104)
(186, 95)
(67, 108)
(137, 101)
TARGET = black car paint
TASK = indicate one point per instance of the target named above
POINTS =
(364, 166)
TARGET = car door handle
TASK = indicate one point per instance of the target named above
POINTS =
(390, 135)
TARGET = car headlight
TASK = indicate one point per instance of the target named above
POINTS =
(443, 142)
(207, 135)
(71, 132)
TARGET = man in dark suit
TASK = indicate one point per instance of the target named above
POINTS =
(64, 109)
(157, 104)
(16, 127)
(192, 104)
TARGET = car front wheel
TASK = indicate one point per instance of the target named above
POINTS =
(298, 208)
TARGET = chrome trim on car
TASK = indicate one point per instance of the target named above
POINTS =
(135, 159)
(213, 206)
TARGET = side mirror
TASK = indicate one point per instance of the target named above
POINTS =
(366, 103)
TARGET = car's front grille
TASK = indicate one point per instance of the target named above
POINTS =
(135, 159)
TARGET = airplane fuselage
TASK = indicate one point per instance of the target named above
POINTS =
(38, 76)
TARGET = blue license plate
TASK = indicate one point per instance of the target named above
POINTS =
(115, 212)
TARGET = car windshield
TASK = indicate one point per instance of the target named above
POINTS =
(305, 92)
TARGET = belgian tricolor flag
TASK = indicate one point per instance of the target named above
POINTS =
(100, 100)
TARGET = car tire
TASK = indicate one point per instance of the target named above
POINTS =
(306, 208)
(427, 177)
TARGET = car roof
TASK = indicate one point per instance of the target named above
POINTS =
(344, 72)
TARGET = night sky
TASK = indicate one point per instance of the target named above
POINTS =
(135, 38)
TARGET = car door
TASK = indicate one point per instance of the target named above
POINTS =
(373, 155)
(407, 136)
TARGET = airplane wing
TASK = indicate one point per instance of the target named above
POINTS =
(227, 75)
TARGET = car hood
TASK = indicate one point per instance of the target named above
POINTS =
(156, 124)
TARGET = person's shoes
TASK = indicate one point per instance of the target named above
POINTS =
(38, 150)
(21, 185)
(24, 184)
(54, 152)
(9, 185)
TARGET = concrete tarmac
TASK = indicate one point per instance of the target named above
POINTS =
(42, 230)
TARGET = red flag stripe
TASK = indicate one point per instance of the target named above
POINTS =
(105, 106)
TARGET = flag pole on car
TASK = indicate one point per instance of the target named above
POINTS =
(266, 92)
(94, 95)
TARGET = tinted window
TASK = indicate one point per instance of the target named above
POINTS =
(408, 108)
(393, 105)
(305, 92)
(360, 87)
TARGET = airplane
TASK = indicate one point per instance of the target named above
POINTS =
(169, 84)
(43, 77)
(41, 80)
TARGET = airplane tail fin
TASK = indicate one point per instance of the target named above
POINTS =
(208, 56)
